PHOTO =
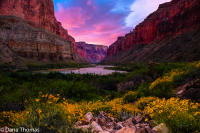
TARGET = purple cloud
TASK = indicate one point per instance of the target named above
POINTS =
(90, 21)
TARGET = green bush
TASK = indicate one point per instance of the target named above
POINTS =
(163, 89)
(143, 90)
(130, 97)
(48, 118)
(144, 101)
(182, 116)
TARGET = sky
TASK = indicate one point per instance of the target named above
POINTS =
(102, 21)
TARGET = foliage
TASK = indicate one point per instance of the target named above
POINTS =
(144, 101)
(32, 67)
(152, 69)
(180, 115)
(53, 113)
(143, 90)
(130, 97)
(65, 99)
(17, 87)
(164, 86)
(44, 113)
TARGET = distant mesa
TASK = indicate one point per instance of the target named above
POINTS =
(91, 52)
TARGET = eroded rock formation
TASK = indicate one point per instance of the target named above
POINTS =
(29, 42)
(29, 30)
(92, 53)
(168, 22)
(38, 12)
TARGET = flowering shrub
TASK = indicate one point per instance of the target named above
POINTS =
(52, 113)
(130, 97)
(179, 115)
(47, 116)
(144, 101)
(163, 86)
(167, 78)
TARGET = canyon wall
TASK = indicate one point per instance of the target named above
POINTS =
(38, 12)
(171, 20)
(31, 42)
(30, 30)
(90, 52)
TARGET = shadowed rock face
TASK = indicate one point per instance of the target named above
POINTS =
(21, 39)
(29, 29)
(170, 21)
(92, 53)
(185, 47)
(38, 12)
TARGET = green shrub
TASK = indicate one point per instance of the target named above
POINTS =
(143, 90)
(144, 101)
(182, 116)
(130, 97)
(163, 89)
(48, 118)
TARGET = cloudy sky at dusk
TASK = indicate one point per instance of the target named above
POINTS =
(102, 21)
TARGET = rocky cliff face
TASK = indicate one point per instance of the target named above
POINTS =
(29, 29)
(26, 41)
(169, 21)
(92, 53)
(38, 12)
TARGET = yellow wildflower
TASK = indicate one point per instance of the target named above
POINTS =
(39, 111)
(37, 100)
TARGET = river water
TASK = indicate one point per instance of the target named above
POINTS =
(98, 70)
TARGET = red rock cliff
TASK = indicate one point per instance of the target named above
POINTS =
(29, 29)
(91, 52)
(39, 12)
(170, 20)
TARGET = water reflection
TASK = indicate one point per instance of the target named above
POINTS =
(98, 70)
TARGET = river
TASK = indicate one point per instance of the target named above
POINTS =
(98, 70)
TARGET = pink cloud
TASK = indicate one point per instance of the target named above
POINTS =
(89, 2)
(66, 16)
(105, 27)
(100, 21)
(90, 24)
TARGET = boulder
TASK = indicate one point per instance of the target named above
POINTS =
(106, 122)
(140, 130)
(96, 128)
(161, 128)
(128, 123)
(138, 119)
(88, 117)
(190, 90)
(84, 127)
(125, 86)
(127, 130)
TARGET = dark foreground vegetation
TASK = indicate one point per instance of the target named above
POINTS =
(37, 66)
(54, 102)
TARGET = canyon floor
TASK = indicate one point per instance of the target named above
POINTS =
(153, 97)
(48, 82)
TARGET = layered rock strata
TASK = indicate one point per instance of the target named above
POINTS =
(91, 52)
(171, 20)
(29, 30)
